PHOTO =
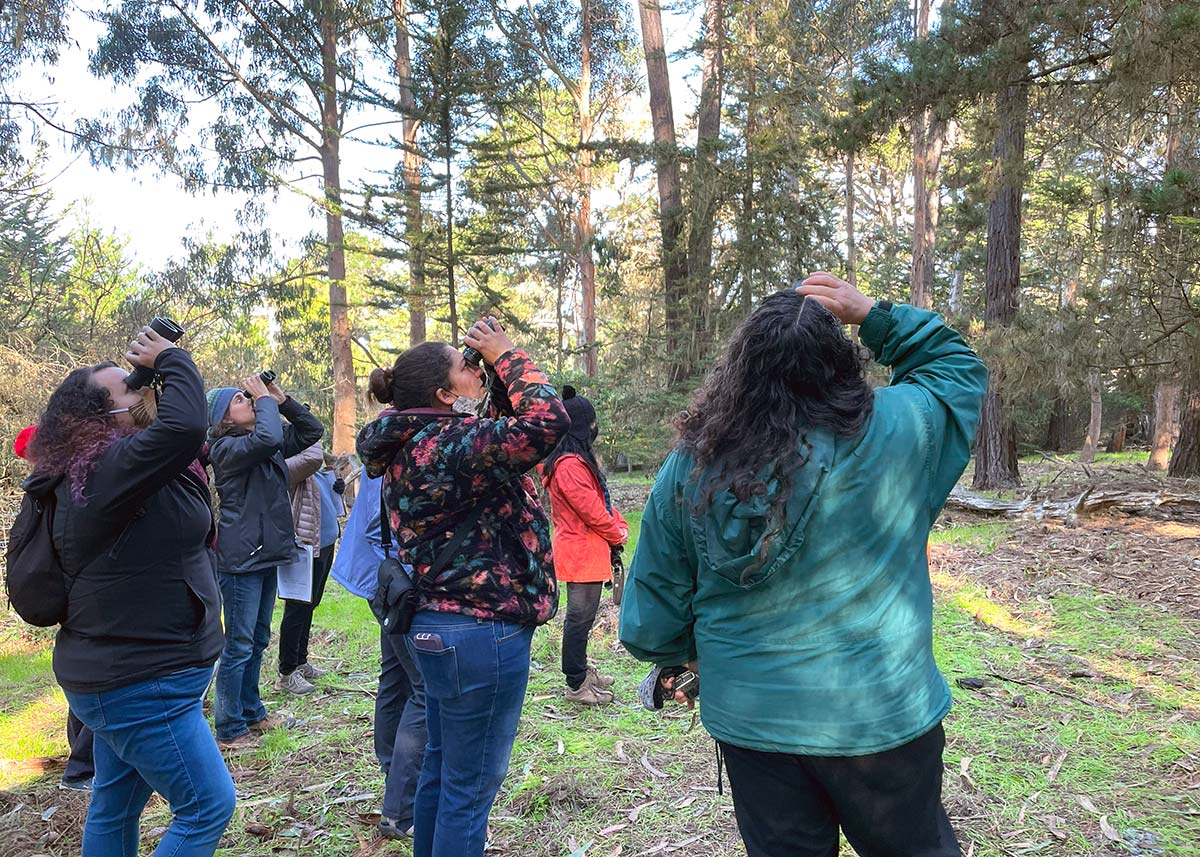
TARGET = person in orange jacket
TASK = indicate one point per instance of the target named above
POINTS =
(586, 527)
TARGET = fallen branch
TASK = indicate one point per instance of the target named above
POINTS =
(1132, 501)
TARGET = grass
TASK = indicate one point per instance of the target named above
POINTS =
(1087, 727)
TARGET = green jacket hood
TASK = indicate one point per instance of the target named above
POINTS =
(743, 540)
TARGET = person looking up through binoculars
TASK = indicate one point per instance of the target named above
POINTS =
(467, 521)
(249, 443)
(782, 557)
(142, 627)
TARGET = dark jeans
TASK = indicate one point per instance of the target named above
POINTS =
(475, 675)
(296, 624)
(248, 601)
(152, 737)
(583, 600)
(79, 764)
(888, 804)
(400, 734)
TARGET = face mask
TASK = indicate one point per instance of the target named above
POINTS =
(468, 405)
(142, 414)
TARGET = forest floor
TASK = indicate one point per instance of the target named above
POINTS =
(1073, 653)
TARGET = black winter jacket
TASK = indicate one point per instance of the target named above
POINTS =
(143, 600)
(255, 531)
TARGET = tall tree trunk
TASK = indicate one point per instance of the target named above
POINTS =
(1058, 429)
(851, 239)
(412, 178)
(703, 197)
(446, 127)
(339, 319)
(583, 226)
(1172, 306)
(670, 200)
(1165, 429)
(929, 136)
(996, 445)
(1185, 460)
(746, 222)
(1096, 389)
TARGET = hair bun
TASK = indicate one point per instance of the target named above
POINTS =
(380, 385)
(568, 392)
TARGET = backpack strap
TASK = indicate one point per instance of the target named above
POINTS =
(447, 552)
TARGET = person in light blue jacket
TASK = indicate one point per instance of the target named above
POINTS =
(400, 702)
(782, 558)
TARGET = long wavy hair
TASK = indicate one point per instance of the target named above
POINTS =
(76, 429)
(788, 368)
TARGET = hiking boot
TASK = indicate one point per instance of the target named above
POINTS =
(245, 741)
(389, 828)
(269, 722)
(310, 672)
(604, 682)
(295, 682)
(589, 694)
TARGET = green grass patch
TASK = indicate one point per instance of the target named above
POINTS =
(983, 537)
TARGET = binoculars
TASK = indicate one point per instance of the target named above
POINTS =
(141, 375)
(267, 377)
(472, 355)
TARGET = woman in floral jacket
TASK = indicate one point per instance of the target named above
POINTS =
(444, 471)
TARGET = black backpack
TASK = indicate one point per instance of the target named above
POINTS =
(36, 582)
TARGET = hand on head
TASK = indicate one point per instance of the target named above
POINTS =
(836, 295)
(490, 341)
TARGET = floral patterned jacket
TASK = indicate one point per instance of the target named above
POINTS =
(438, 465)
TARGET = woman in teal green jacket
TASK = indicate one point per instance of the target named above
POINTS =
(782, 557)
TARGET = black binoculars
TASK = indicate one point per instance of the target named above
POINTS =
(142, 375)
(267, 377)
(472, 355)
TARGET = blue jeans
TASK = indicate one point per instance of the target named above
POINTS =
(399, 728)
(152, 737)
(248, 600)
(475, 675)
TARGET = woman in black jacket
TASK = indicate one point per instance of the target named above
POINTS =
(135, 654)
(255, 536)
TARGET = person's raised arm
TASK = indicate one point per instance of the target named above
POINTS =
(504, 448)
(924, 351)
(141, 464)
(235, 453)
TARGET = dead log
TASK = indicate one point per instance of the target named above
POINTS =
(1159, 502)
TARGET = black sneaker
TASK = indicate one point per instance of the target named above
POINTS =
(389, 828)
(76, 784)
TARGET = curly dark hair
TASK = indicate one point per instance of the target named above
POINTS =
(75, 429)
(788, 368)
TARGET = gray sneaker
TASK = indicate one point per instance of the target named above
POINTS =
(295, 682)
(310, 672)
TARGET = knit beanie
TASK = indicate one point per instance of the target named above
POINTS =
(218, 404)
(582, 414)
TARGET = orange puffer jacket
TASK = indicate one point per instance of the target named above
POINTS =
(583, 527)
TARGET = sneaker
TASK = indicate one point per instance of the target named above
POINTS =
(245, 741)
(295, 682)
(269, 722)
(310, 672)
(589, 694)
(76, 784)
(604, 682)
(389, 828)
